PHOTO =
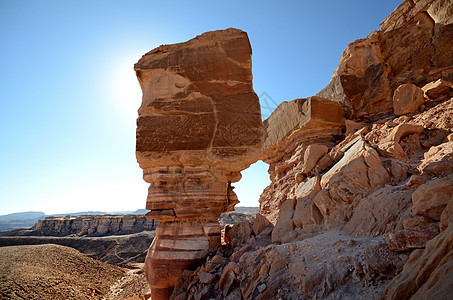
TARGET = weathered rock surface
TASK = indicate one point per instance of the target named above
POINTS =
(436, 89)
(428, 274)
(199, 125)
(326, 266)
(381, 212)
(412, 238)
(313, 117)
(438, 160)
(432, 198)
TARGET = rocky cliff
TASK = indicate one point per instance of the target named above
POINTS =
(360, 204)
(412, 46)
(92, 225)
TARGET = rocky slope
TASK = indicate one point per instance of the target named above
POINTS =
(119, 250)
(360, 204)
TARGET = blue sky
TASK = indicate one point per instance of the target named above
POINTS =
(69, 96)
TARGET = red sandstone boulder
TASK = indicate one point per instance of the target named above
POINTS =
(407, 98)
(312, 155)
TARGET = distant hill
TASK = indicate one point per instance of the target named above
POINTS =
(90, 212)
(140, 211)
(250, 210)
(20, 220)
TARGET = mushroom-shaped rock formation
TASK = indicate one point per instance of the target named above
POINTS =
(199, 126)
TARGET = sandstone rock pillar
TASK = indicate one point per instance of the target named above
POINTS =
(199, 125)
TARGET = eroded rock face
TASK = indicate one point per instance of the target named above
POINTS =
(199, 125)
(412, 46)
(291, 128)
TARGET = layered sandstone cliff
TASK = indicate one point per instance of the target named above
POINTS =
(199, 125)
(359, 207)
(92, 225)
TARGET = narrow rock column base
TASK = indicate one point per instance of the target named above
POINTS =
(178, 246)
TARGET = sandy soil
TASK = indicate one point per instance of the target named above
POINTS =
(58, 272)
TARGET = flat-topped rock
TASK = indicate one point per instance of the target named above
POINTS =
(199, 126)
(301, 118)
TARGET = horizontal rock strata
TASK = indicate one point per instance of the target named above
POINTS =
(93, 225)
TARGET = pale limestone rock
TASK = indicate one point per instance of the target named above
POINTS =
(438, 88)
(407, 98)
(431, 198)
